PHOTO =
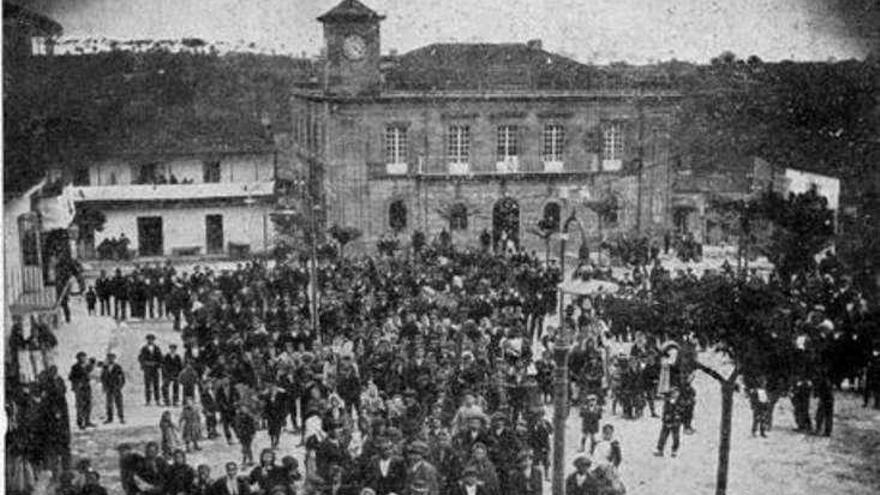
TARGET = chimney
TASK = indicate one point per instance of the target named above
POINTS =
(534, 45)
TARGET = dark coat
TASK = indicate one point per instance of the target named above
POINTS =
(590, 486)
(518, 484)
(150, 359)
(393, 483)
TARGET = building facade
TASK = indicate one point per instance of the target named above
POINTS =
(474, 137)
(197, 204)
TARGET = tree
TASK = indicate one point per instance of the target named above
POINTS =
(753, 323)
(344, 236)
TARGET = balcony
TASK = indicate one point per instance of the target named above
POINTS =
(172, 192)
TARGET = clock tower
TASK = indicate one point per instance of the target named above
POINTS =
(351, 34)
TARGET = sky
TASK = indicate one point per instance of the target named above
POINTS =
(597, 31)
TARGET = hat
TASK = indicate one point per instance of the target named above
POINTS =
(172, 346)
(111, 355)
(478, 415)
(151, 336)
(418, 486)
(81, 354)
(470, 470)
(418, 447)
(524, 454)
(582, 459)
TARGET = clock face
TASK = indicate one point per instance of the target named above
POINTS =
(354, 47)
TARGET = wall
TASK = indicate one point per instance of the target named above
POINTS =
(184, 226)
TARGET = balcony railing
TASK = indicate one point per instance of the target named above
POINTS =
(173, 191)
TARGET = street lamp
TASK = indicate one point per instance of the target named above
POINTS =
(561, 349)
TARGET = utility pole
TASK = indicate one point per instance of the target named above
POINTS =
(561, 350)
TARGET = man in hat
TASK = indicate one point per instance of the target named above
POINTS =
(470, 483)
(503, 446)
(473, 433)
(421, 476)
(581, 482)
(172, 365)
(332, 451)
(80, 382)
(526, 477)
(385, 473)
(150, 359)
(129, 463)
(672, 419)
(113, 379)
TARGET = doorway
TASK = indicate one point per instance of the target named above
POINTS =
(505, 222)
(150, 240)
(214, 234)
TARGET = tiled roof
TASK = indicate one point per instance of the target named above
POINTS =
(350, 10)
(500, 66)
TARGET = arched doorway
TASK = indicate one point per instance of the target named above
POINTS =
(505, 221)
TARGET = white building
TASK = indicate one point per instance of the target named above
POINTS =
(214, 204)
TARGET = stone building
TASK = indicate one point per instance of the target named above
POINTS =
(473, 137)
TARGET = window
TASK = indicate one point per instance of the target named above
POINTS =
(211, 171)
(147, 173)
(458, 219)
(397, 216)
(552, 215)
(81, 176)
(507, 142)
(459, 143)
(554, 139)
(612, 141)
(395, 144)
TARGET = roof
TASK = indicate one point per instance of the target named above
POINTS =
(507, 66)
(14, 12)
(349, 11)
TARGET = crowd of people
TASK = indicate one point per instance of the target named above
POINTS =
(422, 375)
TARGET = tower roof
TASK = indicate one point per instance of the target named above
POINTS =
(350, 10)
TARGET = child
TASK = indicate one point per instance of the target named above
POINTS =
(544, 367)
(607, 450)
(760, 409)
(91, 299)
(591, 414)
(188, 379)
(672, 414)
(539, 439)
(169, 431)
(190, 425)
(245, 428)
